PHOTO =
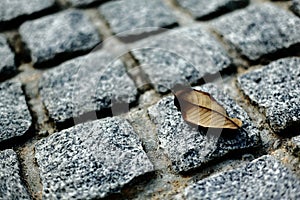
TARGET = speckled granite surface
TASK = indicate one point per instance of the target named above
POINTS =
(87, 109)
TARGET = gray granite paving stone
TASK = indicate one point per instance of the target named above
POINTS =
(64, 33)
(79, 3)
(11, 9)
(133, 16)
(11, 185)
(203, 8)
(296, 6)
(7, 64)
(179, 56)
(15, 119)
(189, 148)
(276, 89)
(90, 160)
(259, 30)
(85, 84)
(263, 178)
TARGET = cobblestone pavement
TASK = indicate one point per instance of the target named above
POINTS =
(87, 110)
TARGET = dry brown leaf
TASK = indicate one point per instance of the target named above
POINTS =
(199, 108)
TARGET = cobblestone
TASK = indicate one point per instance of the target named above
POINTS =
(7, 65)
(188, 147)
(65, 102)
(296, 7)
(15, 119)
(203, 9)
(263, 178)
(18, 8)
(141, 16)
(11, 185)
(85, 84)
(166, 63)
(275, 88)
(59, 35)
(90, 160)
(259, 30)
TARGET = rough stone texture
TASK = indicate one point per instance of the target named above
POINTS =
(7, 58)
(263, 178)
(180, 56)
(204, 8)
(79, 3)
(11, 9)
(259, 30)
(11, 185)
(276, 88)
(188, 147)
(294, 145)
(15, 118)
(296, 6)
(90, 160)
(88, 83)
(134, 17)
(97, 158)
(59, 34)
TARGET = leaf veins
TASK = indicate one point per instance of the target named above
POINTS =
(199, 108)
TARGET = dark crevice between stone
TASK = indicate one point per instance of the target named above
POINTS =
(231, 6)
(139, 77)
(17, 141)
(16, 22)
(143, 140)
(235, 154)
(291, 130)
(231, 69)
(59, 58)
(43, 130)
(50, 121)
(292, 148)
(291, 51)
(24, 144)
(207, 78)
(20, 140)
(235, 52)
(247, 105)
(34, 120)
(283, 136)
(34, 114)
(232, 52)
(249, 102)
(133, 188)
(234, 160)
(7, 73)
(210, 78)
(295, 10)
(16, 48)
(22, 54)
(96, 114)
(133, 38)
(253, 106)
